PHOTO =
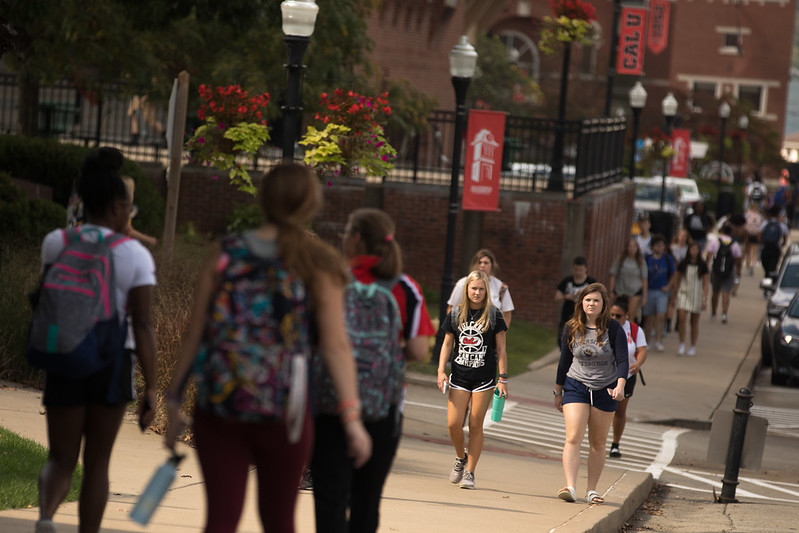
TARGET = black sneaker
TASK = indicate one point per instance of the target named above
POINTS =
(306, 483)
(614, 450)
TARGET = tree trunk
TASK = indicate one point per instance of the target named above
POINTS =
(28, 117)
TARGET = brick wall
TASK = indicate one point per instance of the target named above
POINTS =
(532, 234)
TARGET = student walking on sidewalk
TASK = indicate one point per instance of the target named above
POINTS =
(477, 329)
(591, 377)
(247, 345)
(90, 410)
(636, 354)
(347, 499)
(691, 286)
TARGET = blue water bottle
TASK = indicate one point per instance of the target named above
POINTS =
(497, 407)
(156, 490)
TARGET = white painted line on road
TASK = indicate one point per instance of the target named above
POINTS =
(768, 485)
(667, 451)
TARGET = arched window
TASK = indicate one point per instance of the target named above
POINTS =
(523, 52)
(588, 52)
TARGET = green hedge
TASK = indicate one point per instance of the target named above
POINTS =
(57, 165)
(25, 221)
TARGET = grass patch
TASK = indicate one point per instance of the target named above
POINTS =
(20, 462)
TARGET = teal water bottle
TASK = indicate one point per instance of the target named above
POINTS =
(497, 407)
(155, 490)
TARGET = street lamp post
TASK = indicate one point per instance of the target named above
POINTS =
(462, 64)
(637, 103)
(743, 124)
(669, 106)
(724, 113)
(299, 17)
(555, 182)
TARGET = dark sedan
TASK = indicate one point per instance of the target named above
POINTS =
(783, 344)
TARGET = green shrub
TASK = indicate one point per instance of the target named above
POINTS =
(244, 217)
(18, 277)
(25, 221)
(57, 165)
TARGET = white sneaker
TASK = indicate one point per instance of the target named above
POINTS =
(724, 318)
(45, 526)
(659, 346)
(691, 351)
(468, 480)
(681, 351)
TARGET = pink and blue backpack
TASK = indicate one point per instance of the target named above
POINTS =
(76, 330)
(374, 327)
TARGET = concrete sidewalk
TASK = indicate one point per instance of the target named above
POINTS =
(516, 486)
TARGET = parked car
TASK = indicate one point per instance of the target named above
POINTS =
(647, 199)
(647, 196)
(780, 292)
(783, 342)
(689, 190)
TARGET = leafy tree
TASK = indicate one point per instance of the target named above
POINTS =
(147, 42)
(499, 84)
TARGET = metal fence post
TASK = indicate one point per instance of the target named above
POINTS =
(735, 449)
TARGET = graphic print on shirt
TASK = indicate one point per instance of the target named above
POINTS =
(471, 346)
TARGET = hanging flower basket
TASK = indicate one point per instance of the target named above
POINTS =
(348, 138)
(235, 126)
(571, 23)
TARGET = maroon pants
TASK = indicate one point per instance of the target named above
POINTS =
(226, 450)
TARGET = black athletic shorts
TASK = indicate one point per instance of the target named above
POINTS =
(109, 386)
(630, 386)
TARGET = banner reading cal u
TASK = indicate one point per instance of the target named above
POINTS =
(630, 59)
(484, 142)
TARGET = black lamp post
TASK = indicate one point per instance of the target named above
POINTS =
(669, 110)
(555, 182)
(462, 63)
(724, 113)
(743, 124)
(299, 17)
(637, 103)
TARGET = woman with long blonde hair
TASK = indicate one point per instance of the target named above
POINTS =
(477, 330)
(590, 380)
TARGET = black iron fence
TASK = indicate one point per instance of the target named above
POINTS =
(113, 114)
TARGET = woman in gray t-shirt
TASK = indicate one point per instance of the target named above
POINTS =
(629, 277)
(591, 377)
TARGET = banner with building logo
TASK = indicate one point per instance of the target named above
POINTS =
(484, 142)
(632, 36)
(658, 34)
(681, 160)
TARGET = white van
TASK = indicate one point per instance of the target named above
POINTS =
(689, 191)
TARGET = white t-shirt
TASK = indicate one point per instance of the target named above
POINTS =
(640, 341)
(133, 263)
(494, 286)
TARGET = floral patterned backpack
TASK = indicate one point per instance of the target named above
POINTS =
(252, 362)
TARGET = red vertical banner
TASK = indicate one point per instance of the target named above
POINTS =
(484, 142)
(658, 34)
(681, 143)
(632, 36)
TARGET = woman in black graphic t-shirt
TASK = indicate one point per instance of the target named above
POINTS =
(477, 330)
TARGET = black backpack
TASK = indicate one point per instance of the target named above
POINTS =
(724, 263)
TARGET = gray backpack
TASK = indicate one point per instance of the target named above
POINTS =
(76, 330)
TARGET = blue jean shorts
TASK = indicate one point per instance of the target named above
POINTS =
(657, 302)
(576, 392)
